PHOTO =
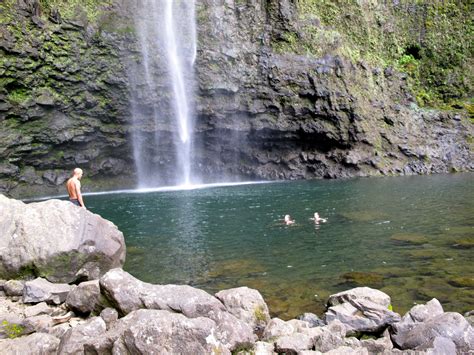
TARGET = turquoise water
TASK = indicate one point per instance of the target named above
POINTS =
(411, 237)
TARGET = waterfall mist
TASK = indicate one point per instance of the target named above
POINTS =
(161, 92)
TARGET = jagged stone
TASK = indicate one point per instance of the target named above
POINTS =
(358, 293)
(110, 316)
(277, 328)
(41, 290)
(362, 315)
(40, 324)
(450, 325)
(38, 309)
(328, 337)
(246, 304)
(129, 294)
(84, 298)
(74, 339)
(312, 319)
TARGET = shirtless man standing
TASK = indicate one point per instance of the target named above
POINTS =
(74, 188)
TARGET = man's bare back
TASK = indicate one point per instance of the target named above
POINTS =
(73, 186)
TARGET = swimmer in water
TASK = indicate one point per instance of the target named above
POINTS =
(288, 220)
(318, 219)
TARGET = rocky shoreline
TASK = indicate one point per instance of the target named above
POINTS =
(120, 314)
(84, 302)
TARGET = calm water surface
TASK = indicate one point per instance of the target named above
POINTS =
(411, 237)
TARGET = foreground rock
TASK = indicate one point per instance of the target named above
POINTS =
(427, 326)
(151, 319)
(362, 310)
(129, 294)
(57, 241)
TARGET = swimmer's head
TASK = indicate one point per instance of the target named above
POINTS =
(287, 217)
(316, 215)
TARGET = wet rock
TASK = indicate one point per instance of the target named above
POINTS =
(84, 298)
(81, 244)
(37, 343)
(246, 304)
(14, 287)
(40, 290)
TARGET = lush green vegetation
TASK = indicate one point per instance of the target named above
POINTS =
(430, 41)
(76, 8)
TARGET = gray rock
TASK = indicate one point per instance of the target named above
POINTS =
(439, 346)
(110, 316)
(294, 342)
(277, 328)
(377, 346)
(59, 330)
(312, 319)
(246, 304)
(38, 309)
(84, 298)
(39, 290)
(151, 330)
(328, 337)
(14, 287)
(365, 293)
(129, 294)
(263, 348)
(362, 315)
(421, 313)
(40, 324)
(345, 350)
(57, 240)
(75, 338)
(450, 325)
(37, 343)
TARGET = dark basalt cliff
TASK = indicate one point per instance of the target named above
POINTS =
(278, 95)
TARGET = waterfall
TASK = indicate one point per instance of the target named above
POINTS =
(161, 92)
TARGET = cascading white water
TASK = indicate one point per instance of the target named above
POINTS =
(161, 92)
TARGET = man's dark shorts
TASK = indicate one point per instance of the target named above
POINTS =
(75, 202)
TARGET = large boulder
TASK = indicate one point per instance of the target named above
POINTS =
(361, 309)
(246, 304)
(56, 240)
(129, 294)
(419, 329)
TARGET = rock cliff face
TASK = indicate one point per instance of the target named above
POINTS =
(264, 109)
